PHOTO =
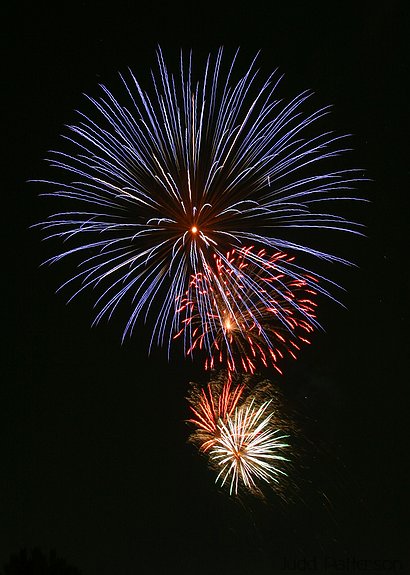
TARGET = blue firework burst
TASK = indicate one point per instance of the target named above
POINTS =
(162, 182)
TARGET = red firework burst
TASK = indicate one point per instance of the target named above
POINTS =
(242, 332)
(210, 406)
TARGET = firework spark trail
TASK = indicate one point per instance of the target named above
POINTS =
(255, 314)
(163, 184)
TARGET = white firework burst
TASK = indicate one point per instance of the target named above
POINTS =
(249, 448)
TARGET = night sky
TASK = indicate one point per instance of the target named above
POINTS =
(94, 460)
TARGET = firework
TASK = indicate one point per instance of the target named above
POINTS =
(248, 448)
(253, 314)
(158, 184)
(210, 406)
(241, 428)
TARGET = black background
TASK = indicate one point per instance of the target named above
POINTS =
(94, 459)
